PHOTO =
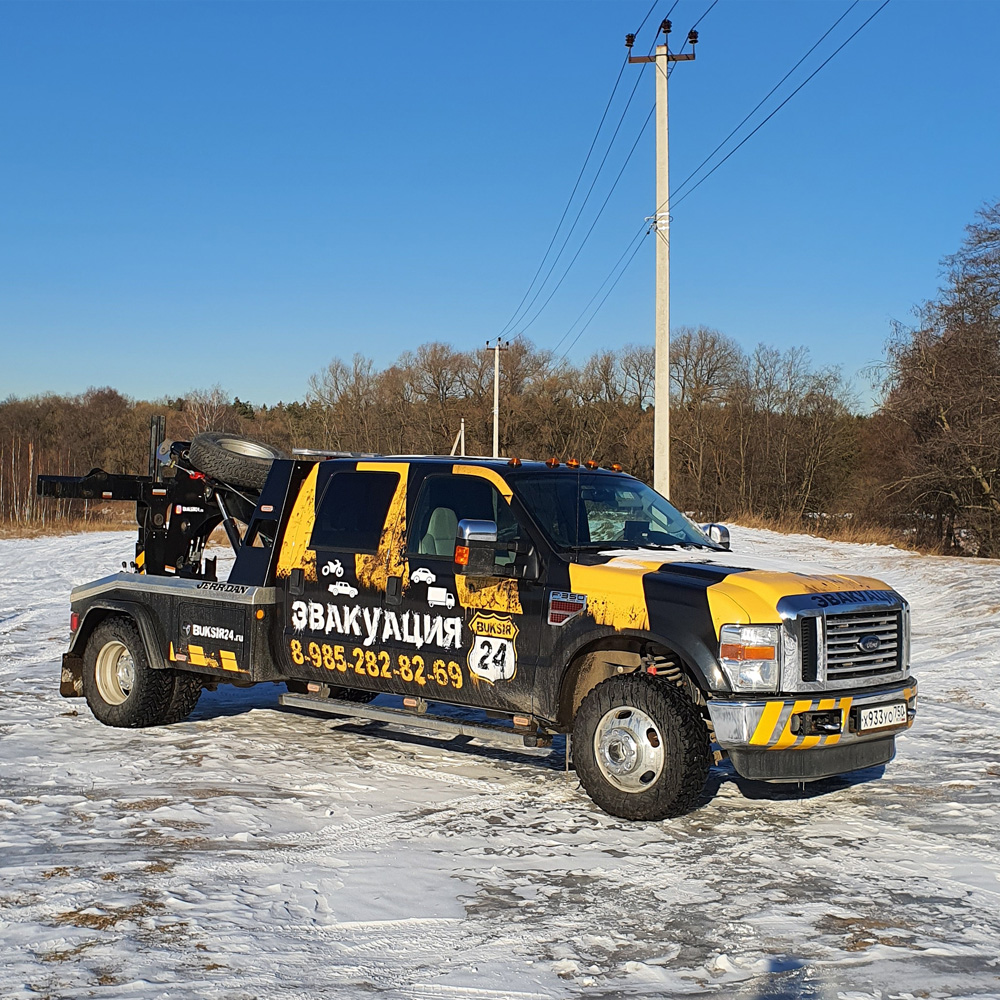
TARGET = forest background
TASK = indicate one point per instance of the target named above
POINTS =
(762, 437)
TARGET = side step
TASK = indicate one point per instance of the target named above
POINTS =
(399, 716)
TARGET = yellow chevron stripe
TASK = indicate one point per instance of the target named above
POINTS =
(765, 727)
(787, 737)
(845, 707)
(825, 704)
(228, 660)
(196, 656)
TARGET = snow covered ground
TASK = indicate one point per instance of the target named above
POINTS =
(253, 852)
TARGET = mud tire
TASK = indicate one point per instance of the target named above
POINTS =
(121, 688)
(228, 458)
(187, 691)
(681, 742)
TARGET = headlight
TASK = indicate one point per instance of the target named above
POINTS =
(750, 656)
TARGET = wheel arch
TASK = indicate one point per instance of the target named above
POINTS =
(101, 610)
(611, 655)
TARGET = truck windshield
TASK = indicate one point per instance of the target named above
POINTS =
(599, 511)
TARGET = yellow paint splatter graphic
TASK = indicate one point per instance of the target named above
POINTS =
(374, 569)
(295, 552)
(489, 594)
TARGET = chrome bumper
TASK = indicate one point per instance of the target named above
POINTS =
(803, 723)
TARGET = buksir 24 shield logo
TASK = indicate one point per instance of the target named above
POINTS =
(493, 656)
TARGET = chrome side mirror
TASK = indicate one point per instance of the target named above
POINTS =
(719, 534)
(475, 548)
(470, 530)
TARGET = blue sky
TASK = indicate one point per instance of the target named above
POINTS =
(200, 193)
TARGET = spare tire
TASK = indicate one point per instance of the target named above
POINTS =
(228, 458)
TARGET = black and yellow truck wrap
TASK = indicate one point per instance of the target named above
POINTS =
(556, 597)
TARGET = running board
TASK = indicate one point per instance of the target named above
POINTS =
(400, 717)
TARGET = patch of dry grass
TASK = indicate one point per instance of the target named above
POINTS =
(840, 529)
(122, 520)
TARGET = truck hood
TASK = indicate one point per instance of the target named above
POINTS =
(739, 589)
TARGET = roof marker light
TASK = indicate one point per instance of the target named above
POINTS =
(615, 467)
(591, 463)
(552, 462)
(515, 461)
(573, 463)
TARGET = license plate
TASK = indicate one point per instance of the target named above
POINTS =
(882, 716)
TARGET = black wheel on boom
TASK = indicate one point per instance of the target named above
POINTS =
(120, 686)
(641, 748)
(231, 459)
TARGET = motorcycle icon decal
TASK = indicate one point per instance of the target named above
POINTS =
(334, 568)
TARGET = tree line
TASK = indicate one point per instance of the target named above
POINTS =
(763, 434)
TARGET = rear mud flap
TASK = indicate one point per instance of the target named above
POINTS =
(71, 681)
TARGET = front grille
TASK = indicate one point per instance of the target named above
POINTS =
(810, 649)
(846, 657)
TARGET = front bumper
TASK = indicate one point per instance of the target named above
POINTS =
(801, 739)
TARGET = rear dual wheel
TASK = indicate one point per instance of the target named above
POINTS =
(123, 690)
(641, 748)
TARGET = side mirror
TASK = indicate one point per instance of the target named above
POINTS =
(719, 534)
(475, 548)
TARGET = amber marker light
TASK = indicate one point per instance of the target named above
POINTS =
(615, 467)
(515, 461)
(552, 462)
(742, 651)
(591, 464)
(573, 463)
(461, 555)
(260, 614)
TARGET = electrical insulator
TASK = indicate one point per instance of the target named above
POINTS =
(693, 37)
(666, 27)
(629, 40)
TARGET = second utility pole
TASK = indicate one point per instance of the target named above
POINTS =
(661, 225)
(496, 349)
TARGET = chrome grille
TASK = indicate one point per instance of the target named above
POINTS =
(846, 635)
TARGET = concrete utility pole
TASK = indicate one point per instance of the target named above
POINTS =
(496, 349)
(459, 440)
(661, 225)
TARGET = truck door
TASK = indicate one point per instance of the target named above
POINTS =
(337, 570)
(473, 640)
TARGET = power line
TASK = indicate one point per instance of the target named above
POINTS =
(781, 105)
(704, 15)
(644, 228)
(764, 99)
(601, 303)
(576, 185)
(600, 212)
(569, 201)
(579, 213)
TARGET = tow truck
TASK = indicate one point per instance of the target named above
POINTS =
(537, 598)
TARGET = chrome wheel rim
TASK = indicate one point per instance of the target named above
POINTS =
(114, 672)
(250, 449)
(628, 746)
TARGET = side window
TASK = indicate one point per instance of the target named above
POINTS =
(351, 512)
(443, 501)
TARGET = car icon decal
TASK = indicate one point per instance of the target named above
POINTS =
(342, 587)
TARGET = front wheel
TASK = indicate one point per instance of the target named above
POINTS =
(120, 686)
(641, 748)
